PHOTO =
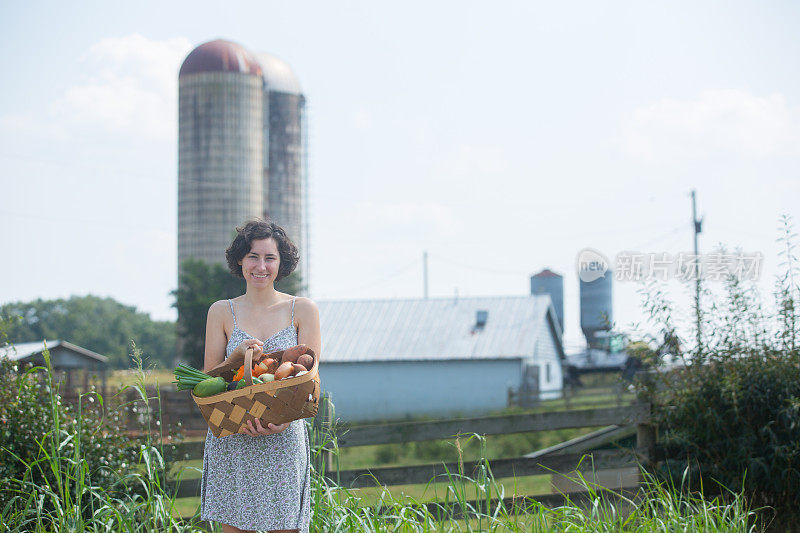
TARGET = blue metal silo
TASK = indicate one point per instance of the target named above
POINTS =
(596, 306)
(548, 282)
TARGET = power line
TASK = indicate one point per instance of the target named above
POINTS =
(654, 240)
(374, 282)
(745, 232)
(98, 172)
(480, 269)
(96, 223)
(110, 174)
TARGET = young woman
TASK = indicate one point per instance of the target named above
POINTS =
(260, 479)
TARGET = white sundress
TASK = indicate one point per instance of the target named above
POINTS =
(263, 482)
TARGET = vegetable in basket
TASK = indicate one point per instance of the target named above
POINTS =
(243, 383)
(200, 383)
(210, 387)
(187, 377)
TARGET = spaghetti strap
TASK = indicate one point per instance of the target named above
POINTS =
(233, 314)
(291, 324)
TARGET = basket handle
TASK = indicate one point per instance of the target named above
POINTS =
(248, 365)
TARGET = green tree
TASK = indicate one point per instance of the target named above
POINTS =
(291, 284)
(728, 413)
(102, 325)
(201, 284)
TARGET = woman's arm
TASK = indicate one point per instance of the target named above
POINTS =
(307, 318)
(215, 336)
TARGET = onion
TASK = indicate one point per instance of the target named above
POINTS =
(284, 370)
(306, 360)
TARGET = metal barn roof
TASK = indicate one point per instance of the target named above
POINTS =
(433, 328)
(24, 350)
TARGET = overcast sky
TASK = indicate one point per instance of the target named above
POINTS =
(501, 137)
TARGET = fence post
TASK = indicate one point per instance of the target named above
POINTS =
(323, 433)
(646, 439)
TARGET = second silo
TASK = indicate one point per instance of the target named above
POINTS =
(285, 177)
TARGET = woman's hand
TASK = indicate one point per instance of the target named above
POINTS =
(258, 429)
(236, 358)
(238, 353)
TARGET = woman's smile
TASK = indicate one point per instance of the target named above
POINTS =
(259, 277)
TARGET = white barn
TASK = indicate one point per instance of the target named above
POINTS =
(395, 358)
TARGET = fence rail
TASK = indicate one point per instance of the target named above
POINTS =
(492, 425)
(500, 468)
(541, 464)
(405, 432)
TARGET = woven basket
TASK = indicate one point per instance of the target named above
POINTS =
(276, 402)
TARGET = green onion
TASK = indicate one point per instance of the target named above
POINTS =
(187, 377)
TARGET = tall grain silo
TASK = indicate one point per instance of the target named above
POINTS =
(285, 165)
(548, 282)
(220, 148)
(596, 306)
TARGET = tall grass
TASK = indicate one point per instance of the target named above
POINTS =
(476, 502)
(69, 500)
(139, 500)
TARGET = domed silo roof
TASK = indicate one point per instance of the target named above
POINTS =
(278, 75)
(220, 56)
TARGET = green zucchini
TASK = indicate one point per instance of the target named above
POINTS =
(210, 387)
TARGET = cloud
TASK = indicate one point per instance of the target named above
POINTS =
(472, 161)
(129, 89)
(410, 220)
(724, 122)
(133, 89)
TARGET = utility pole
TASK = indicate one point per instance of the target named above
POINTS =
(698, 228)
(425, 272)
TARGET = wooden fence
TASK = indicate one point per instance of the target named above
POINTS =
(563, 460)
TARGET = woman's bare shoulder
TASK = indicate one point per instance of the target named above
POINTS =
(304, 305)
(219, 307)
(298, 300)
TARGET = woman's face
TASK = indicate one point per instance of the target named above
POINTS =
(260, 265)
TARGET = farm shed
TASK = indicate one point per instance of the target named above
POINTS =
(395, 358)
(70, 361)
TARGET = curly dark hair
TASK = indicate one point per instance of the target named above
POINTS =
(262, 229)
